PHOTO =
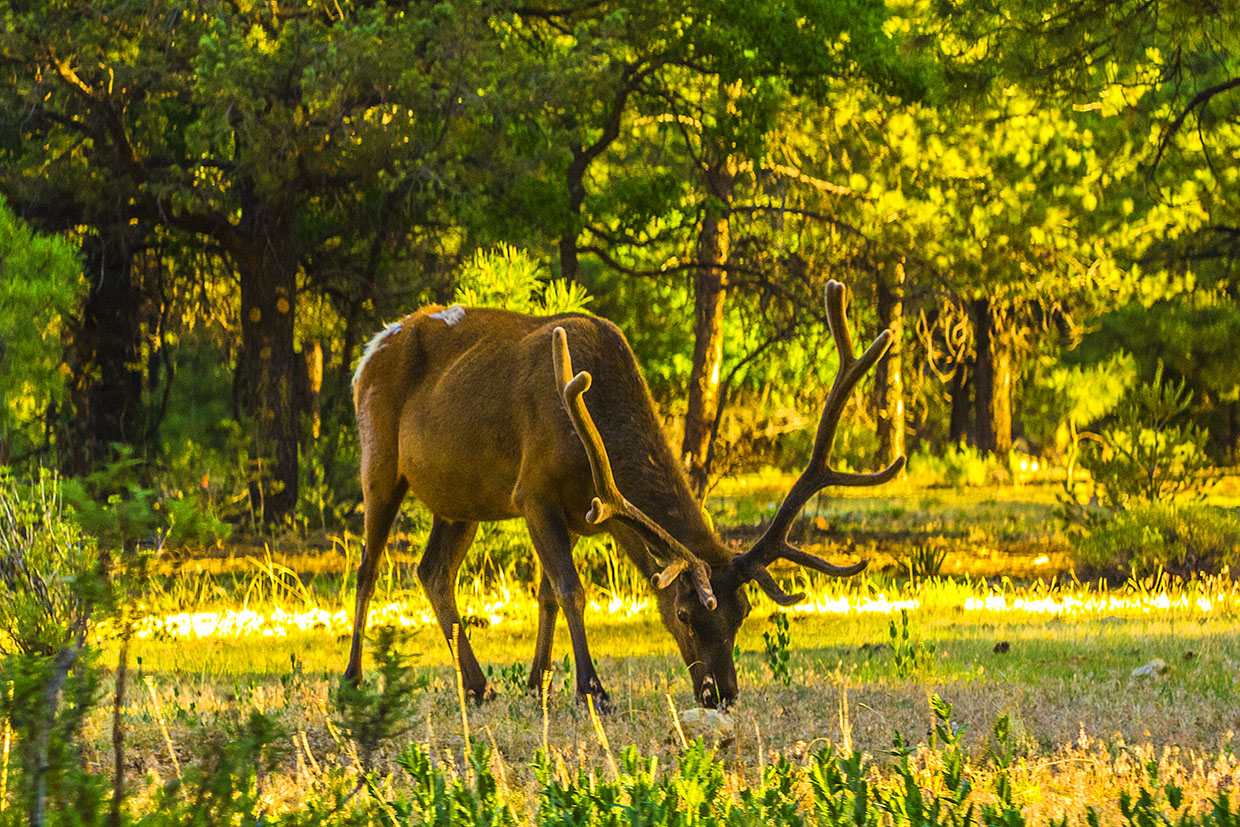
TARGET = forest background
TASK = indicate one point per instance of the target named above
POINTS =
(210, 207)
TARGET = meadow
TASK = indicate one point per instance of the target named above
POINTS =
(994, 681)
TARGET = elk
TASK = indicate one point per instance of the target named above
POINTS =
(478, 413)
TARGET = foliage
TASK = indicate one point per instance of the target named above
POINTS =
(375, 159)
(508, 278)
(908, 657)
(959, 466)
(778, 648)
(114, 502)
(434, 798)
(377, 710)
(1148, 454)
(1182, 539)
(120, 506)
(55, 585)
(40, 286)
(1191, 339)
(50, 569)
(1075, 397)
(923, 560)
(225, 786)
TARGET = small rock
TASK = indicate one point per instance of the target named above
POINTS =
(1155, 667)
(1190, 654)
(712, 726)
(1001, 647)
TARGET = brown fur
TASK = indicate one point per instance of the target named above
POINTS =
(462, 407)
(467, 417)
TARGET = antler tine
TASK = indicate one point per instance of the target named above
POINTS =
(610, 502)
(819, 474)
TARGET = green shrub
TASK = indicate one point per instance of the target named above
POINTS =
(959, 466)
(115, 503)
(1180, 539)
(508, 277)
(192, 522)
(1149, 455)
(40, 285)
(924, 560)
(779, 649)
(434, 797)
(378, 709)
(54, 586)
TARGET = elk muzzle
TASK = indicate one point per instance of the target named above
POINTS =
(715, 688)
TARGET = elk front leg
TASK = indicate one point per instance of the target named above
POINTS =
(548, 611)
(381, 506)
(554, 544)
(441, 560)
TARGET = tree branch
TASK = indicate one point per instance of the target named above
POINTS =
(1199, 100)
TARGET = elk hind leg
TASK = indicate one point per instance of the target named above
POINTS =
(441, 560)
(382, 503)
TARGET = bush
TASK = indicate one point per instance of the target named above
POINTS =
(1149, 455)
(54, 585)
(960, 466)
(1180, 539)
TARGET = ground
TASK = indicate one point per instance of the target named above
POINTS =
(1053, 657)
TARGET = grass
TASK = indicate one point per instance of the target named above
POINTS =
(1082, 728)
(1064, 683)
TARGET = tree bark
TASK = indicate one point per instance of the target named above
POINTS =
(958, 429)
(710, 288)
(107, 387)
(268, 363)
(575, 179)
(993, 382)
(888, 373)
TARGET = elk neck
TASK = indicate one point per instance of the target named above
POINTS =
(647, 471)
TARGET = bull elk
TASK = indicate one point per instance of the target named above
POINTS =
(478, 412)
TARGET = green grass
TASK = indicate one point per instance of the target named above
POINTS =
(1082, 728)
(1064, 684)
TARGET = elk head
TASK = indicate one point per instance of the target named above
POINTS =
(704, 604)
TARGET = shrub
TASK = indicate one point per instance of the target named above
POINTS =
(40, 285)
(959, 466)
(509, 277)
(54, 585)
(1180, 539)
(1147, 454)
(924, 560)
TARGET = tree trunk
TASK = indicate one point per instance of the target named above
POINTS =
(888, 374)
(710, 286)
(994, 382)
(959, 426)
(575, 179)
(268, 363)
(107, 389)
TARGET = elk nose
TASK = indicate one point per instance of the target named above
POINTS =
(709, 695)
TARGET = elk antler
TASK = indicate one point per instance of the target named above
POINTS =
(610, 502)
(773, 544)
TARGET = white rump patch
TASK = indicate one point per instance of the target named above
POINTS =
(373, 346)
(451, 316)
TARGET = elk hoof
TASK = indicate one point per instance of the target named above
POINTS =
(602, 702)
(481, 695)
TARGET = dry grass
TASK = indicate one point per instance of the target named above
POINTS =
(1082, 727)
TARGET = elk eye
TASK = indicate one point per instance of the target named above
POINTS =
(683, 615)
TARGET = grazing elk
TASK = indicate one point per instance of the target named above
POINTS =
(478, 413)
